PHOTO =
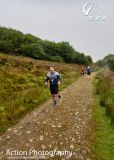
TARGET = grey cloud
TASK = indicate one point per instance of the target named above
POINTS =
(62, 20)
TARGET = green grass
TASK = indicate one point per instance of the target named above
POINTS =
(22, 85)
(105, 90)
(103, 137)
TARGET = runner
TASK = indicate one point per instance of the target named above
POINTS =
(82, 72)
(88, 72)
(54, 80)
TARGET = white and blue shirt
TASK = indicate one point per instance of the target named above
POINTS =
(53, 78)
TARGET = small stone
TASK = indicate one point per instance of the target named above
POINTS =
(1, 153)
(73, 139)
(8, 137)
(43, 146)
(53, 126)
(27, 144)
(59, 125)
(19, 133)
(31, 140)
(20, 127)
(15, 130)
(28, 132)
(49, 145)
(84, 152)
(64, 133)
(41, 138)
(71, 146)
(9, 129)
(60, 135)
(55, 149)
(61, 143)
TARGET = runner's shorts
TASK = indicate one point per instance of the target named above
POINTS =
(54, 89)
(89, 73)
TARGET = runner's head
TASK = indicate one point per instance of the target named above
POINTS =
(52, 69)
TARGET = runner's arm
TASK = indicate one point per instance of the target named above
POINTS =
(59, 78)
(46, 80)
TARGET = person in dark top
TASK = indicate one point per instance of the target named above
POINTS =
(54, 80)
(82, 72)
(88, 72)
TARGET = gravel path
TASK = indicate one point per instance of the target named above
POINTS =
(60, 133)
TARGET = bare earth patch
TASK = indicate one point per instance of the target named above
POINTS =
(66, 127)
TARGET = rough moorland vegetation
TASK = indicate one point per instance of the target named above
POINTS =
(22, 85)
(105, 90)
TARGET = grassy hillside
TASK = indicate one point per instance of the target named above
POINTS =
(105, 90)
(103, 115)
(22, 85)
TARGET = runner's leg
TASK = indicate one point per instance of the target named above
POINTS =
(55, 94)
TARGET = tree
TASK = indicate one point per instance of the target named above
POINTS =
(6, 46)
(33, 50)
(89, 59)
(109, 60)
(101, 63)
(15, 42)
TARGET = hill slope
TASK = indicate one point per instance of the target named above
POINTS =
(15, 42)
(22, 85)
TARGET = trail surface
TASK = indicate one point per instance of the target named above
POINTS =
(64, 128)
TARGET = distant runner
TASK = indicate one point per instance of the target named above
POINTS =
(88, 72)
(82, 72)
(54, 80)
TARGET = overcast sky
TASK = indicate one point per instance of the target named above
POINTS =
(64, 20)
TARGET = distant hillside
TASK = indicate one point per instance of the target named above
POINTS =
(15, 42)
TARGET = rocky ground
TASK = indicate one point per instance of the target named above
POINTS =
(61, 133)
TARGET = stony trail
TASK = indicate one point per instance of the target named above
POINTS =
(64, 130)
